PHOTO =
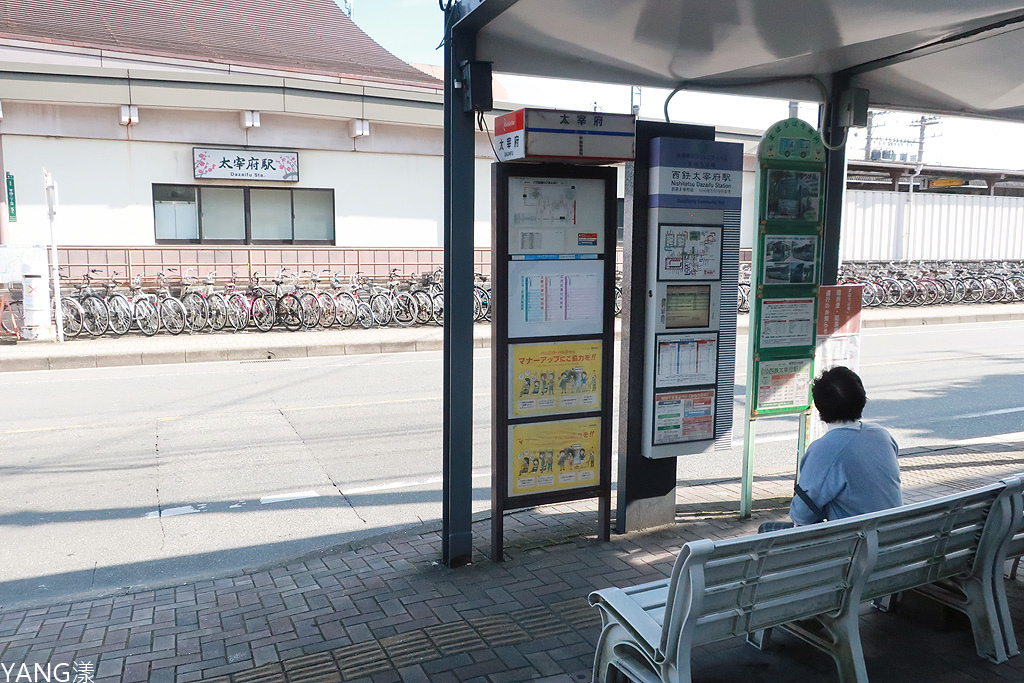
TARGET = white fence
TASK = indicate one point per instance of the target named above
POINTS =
(881, 226)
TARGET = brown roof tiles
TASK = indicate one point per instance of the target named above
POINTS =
(312, 36)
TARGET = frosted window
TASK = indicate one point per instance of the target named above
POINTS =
(174, 209)
(314, 215)
(270, 213)
(223, 213)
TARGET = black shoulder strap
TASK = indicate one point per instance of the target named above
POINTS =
(819, 514)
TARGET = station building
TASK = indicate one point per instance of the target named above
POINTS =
(205, 127)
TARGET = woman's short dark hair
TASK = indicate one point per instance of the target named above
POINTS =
(839, 395)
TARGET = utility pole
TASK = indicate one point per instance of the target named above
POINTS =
(922, 124)
(867, 134)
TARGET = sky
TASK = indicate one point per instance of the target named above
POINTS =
(413, 29)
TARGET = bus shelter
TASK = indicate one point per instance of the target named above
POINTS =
(935, 56)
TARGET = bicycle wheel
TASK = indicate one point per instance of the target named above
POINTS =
(424, 308)
(975, 290)
(742, 306)
(617, 302)
(9, 319)
(172, 315)
(289, 312)
(121, 314)
(263, 313)
(72, 317)
(364, 314)
(1015, 287)
(238, 312)
(310, 310)
(484, 297)
(328, 309)
(405, 308)
(383, 311)
(146, 317)
(437, 303)
(197, 311)
(218, 306)
(97, 318)
(346, 307)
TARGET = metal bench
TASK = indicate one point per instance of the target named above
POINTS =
(811, 581)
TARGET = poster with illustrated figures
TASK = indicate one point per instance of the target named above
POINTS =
(554, 456)
(555, 378)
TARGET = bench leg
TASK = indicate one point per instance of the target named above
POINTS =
(760, 639)
(982, 603)
(840, 638)
(619, 661)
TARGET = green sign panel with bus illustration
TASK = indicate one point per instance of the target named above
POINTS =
(786, 268)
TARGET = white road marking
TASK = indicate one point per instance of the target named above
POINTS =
(406, 484)
(282, 497)
(173, 512)
(987, 413)
(995, 438)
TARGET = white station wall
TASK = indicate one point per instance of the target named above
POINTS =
(105, 191)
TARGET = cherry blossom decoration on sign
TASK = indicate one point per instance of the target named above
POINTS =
(245, 164)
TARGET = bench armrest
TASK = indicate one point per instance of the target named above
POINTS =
(645, 624)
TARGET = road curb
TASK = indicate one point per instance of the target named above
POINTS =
(43, 356)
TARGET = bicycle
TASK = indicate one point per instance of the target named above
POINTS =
(287, 306)
(95, 316)
(196, 307)
(173, 316)
(145, 312)
(121, 315)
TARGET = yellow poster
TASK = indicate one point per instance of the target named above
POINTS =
(554, 456)
(555, 378)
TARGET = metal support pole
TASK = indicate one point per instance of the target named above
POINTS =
(51, 204)
(747, 482)
(835, 186)
(459, 169)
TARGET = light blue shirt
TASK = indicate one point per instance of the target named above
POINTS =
(852, 470)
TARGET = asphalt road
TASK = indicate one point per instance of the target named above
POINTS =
(144, 476)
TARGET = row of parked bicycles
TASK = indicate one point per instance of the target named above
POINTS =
(923, 283)
(290, 300)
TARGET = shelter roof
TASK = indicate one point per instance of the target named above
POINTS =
(943, 56)
(307, 36)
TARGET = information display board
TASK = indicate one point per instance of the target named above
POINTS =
(689, 252)
(555, 216)
(686, 359)
(555, 297)
(693, 263)
(553, 274)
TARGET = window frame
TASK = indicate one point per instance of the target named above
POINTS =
(247, 206)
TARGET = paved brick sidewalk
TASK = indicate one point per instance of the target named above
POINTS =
(388, 612)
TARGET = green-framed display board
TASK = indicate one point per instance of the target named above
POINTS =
(786, 269)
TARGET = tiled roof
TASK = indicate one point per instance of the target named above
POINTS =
(300, 35)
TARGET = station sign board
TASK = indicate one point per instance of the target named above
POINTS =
(565, 136)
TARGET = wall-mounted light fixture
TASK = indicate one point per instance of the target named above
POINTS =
(250, 119)
(129, 115)
(358, 128)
